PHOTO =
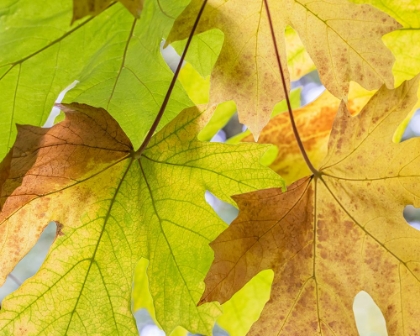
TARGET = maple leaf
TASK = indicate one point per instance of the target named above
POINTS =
(206, 46)
(142, 299)
(244, 308)
(298, 61)
(82, 8)
(203, 51)
(407, 61)
(332, 235)
(113, 209)
(246, 71)
(314, 122)
(115, 57)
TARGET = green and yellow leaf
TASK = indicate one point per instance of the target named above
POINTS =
(244, 308)
(342, 49)
(113, 208)
(404, 43)
(115, 57)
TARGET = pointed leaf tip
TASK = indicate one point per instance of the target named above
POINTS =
(323, 233)
(342, 48)
(110, 211)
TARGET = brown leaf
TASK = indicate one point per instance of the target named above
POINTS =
(46, 160)
(4, 175)
(329, 237)
(82, 8)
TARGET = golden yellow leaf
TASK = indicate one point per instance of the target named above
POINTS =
(343, 39)
(334, 234)
(314, 122)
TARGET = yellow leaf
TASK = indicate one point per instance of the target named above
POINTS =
(404, 43)
(331, 235)
(298, 60)
(314, 122)
(244, 308)
(196, 86)
(341, 47)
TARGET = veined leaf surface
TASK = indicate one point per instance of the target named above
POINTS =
(332, 235)
(112, 209)
(115, 57)
(343, 39)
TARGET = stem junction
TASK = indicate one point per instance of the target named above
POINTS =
(286, 94)
(155, 124)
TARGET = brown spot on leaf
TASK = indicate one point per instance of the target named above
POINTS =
(44, 163)
(59, 228)
(346, 236)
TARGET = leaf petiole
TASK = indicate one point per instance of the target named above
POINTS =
(155, 124)
(286, 94)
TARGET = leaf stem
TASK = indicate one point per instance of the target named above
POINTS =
(289, 106)
(155, 124)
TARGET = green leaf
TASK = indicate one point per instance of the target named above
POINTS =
(405, 42)
(221, 117)
(196, 86)
(244, 308)
(198, 91)
(115, 57)
(143, 299)
(194, 168)
(204, 50)
(114, 209)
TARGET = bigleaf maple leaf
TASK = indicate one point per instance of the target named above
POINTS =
(82, 8)
(314, 122)
(335, 233)
(407, 62)
(111, 209)
(342, 38)
(115, 57)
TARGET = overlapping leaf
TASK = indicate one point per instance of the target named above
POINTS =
(298, 61)
(314, 122)
(294, 98)
(198, 91)
(332, 235)
(343, 40)
(404, 43)
(204, 50)
(206, 46)
(142, 299)
(244, 308)
(115, 57)
(114, 209)
(82, 8)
